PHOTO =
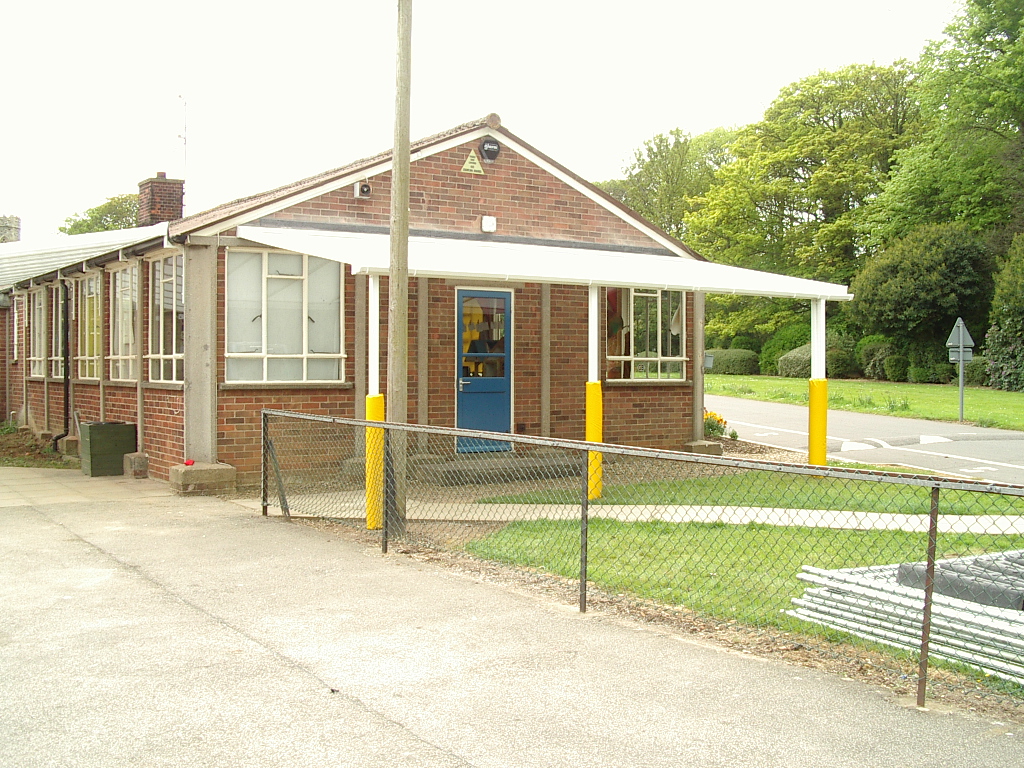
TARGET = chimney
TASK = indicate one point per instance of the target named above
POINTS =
(160, 199)
(10, 229)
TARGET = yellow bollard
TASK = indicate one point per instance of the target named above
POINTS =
(594, 434)
(817, 426)
(374, 464)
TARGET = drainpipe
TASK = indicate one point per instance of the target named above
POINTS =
(65, 341)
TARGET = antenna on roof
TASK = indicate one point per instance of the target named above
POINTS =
(184, 146)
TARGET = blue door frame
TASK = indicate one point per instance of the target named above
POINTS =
(483, 385)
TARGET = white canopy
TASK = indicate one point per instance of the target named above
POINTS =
(22, 260)
(479, 259)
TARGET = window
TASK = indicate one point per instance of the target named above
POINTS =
(124, 303)
(167, 319)
(90, 324)
(37, 332)
(284, 317)
(646, 334)
(57, 329)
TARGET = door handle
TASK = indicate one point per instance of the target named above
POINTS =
(462, 383)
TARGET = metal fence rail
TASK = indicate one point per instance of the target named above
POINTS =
(903, 569)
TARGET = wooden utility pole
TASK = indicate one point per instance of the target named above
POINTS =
(397, 408)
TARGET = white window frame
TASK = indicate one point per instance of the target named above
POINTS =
(57, 328)
(231, 351)
(89, 331)
(663, 358)
(167, 364)
(123, 349)
(36, 320)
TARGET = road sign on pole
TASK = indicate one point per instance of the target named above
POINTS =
(961, 350)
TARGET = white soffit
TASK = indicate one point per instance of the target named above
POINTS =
(468, 259)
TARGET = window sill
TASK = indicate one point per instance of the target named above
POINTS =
(648, 382)
(226, 385)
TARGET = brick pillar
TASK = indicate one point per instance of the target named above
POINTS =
(160, 199)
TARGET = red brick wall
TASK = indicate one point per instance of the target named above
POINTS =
(238, 407)
(163, 432)
(160, 199)
(527, 201)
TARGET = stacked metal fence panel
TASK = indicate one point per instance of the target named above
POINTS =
(730, 541)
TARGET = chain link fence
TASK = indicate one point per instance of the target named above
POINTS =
(920, 578)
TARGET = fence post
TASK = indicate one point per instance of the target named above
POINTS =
(584, 525)
(263, 462)
(929, 588)
(281, 494)
(388, 492)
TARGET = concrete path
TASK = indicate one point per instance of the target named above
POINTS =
(162, 631)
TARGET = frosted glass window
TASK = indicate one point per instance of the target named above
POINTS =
(244, 303)
(284, 317)
(324, 320)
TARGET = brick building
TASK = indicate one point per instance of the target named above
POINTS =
(526, 283)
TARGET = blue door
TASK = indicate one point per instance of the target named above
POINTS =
(483, 397)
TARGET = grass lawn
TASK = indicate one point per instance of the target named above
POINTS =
(782, 490)
(742, 572)
(940, 402)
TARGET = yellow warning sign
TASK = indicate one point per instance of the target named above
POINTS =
(472, 164)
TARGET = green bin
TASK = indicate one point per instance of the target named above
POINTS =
(102, 446)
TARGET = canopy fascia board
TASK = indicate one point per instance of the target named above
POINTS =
(440, 257)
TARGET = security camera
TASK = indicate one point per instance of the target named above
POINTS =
(361, 189)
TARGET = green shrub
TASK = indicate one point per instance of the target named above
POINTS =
(839, 360)
(943, 373)
(745, 342)
(840, 357)
(920, 374)
(871, 352)
(737, 362)
(896, 368)
(784, 340)
(796, 364)
(1004, 344)
(875, 356)
(976, 372)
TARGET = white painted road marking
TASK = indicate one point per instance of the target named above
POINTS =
(927, 439)
(881, 444)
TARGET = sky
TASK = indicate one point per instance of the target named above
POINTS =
(241, 97)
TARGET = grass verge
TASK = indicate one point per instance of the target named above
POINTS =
(746, 573)
(777, 490)
(939, 402)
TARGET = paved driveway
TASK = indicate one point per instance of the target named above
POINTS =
(146, 629)
(934, 446)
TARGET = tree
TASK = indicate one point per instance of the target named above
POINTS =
(915, 289)
(970, 165)
(118, 212)
(1005, 339)
(670, 174)
(790, 201)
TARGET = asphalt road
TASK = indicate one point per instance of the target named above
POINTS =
(934, 446)
(183, 632)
